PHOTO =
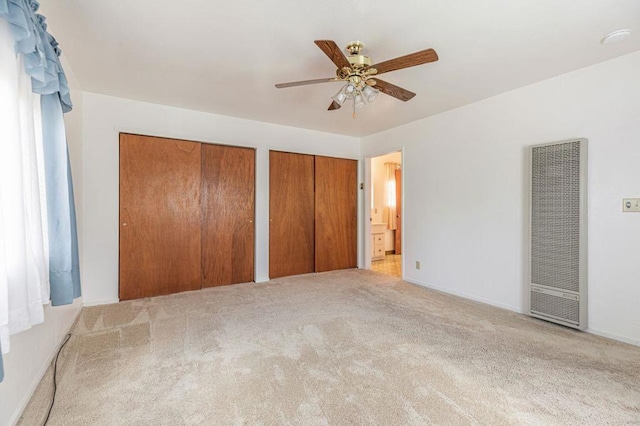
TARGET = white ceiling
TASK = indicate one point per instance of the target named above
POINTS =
(225, 57)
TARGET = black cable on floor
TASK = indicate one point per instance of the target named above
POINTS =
(55, 378)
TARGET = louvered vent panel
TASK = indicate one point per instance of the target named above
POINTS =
(555, 217)
(558, 286)
(547, 304)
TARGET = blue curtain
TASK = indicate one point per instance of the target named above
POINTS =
(42, 63)
(41, 57)
(64, 273)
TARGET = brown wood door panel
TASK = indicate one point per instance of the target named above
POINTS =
(398, 242)
(291, 214)
(228, 212)
(159, 216)
(336, 213)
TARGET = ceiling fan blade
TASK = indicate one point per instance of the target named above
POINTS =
(331, 49)
(305, 82)
(392, 90)
(418, 58)
(334, 105)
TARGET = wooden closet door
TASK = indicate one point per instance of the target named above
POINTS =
(336, 213)
(159, 216)
(228, 212)
(291, 214)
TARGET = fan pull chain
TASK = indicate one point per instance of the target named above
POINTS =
(354, 109)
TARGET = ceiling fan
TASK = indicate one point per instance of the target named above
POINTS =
(360, 74)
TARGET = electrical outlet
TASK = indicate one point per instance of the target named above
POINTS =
(417, 264)
(631, 205)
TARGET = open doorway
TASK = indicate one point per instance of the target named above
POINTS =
(386, 214)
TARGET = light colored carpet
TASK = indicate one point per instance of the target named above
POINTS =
(347, 347)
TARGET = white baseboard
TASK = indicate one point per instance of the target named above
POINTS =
(36, 381)
(613, 336)
(466, 296)
(100, 302)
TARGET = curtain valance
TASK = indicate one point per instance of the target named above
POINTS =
(39, 49)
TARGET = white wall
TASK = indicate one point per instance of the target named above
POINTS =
(30, 356)
(466, 189)
(378, 180)
(105, 117)
(33, 350)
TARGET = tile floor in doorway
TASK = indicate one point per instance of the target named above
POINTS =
(391, 265)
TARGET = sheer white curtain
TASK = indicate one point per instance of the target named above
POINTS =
(390, 212)
(24, 265)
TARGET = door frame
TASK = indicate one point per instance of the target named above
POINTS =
(366, 229)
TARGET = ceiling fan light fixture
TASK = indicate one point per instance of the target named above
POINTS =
(357, 72)
(369, 93)
(342, 95)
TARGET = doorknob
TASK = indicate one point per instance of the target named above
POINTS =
(124, 224)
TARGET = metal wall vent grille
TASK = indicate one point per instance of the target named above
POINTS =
(558, 231)
(547, 304)
(555, 217)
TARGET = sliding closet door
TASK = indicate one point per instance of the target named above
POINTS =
(291, 214)
(160, 216)
(336, 213)
(228, 198)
